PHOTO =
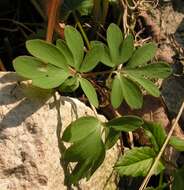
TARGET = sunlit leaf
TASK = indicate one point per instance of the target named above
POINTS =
(137, 162)
(45, 76)
(76, 45)
(81, 128)
(47, 52)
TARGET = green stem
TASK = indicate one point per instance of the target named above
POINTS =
(161, 179)
(82, 31)
(38, 8)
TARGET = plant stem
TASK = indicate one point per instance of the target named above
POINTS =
(38, 8)
(82, 31)
(96, 73)
(52, 14)
(151, 171)
(161, 179)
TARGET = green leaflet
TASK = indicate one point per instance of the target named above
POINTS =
(137, 162)
(148, 85)
(116, 92)
(157, 134)
(105, 57)
(75, 43)
(131, 93)
(89, 91)
(87, 149)
(114, 40)
(142, 55)
(177, 143)
(105, 54)
(156, 70)
(125, 123)
(61, 45)
(91, 59)
(45, 76)
(126, 48)
(46, 52)
(80, 129)
(178, 182)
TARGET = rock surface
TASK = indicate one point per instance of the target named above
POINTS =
(29, 153)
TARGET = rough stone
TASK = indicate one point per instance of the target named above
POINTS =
(30, 120)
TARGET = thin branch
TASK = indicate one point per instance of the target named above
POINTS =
(96, 73)
(38, 8)
(82, 30)
(52, 15)
(151, 171)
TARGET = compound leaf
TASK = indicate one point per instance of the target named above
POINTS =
(137, 162)
(89, 91)
(47, 52)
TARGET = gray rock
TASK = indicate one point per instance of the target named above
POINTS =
(30, 121)
(173, 94)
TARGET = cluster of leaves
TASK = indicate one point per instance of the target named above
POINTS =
(66, 65)
(88, 147)
(62, 65)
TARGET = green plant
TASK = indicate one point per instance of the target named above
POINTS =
(67, 65)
